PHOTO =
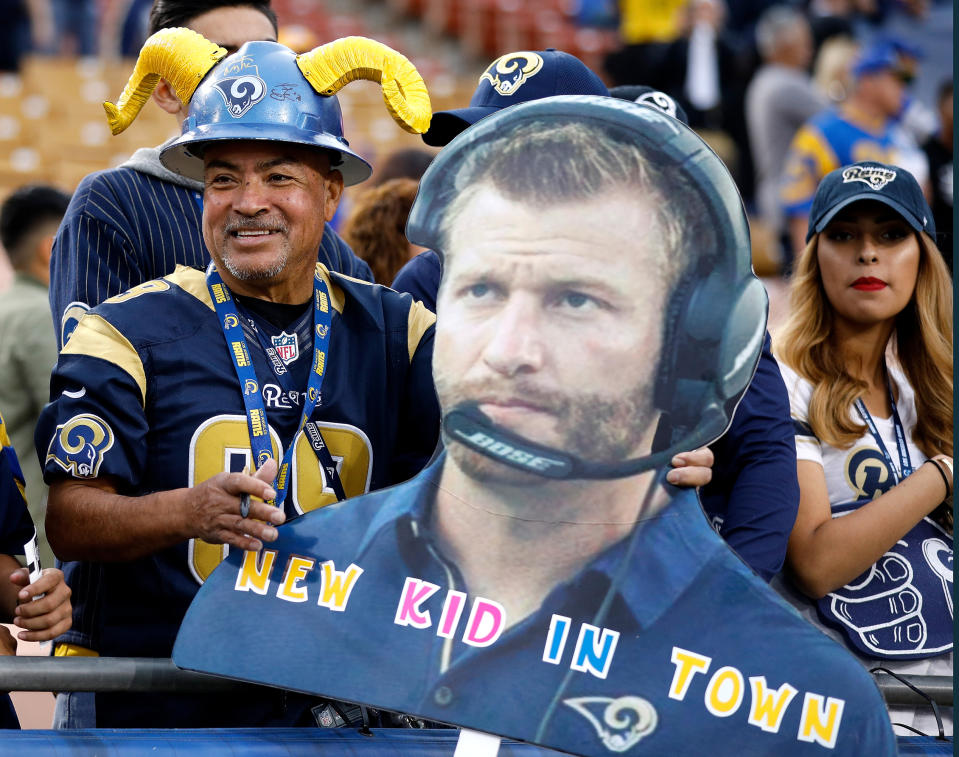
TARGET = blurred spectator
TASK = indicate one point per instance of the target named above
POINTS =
(77, 23)
(862, 128)
(376, 228)
(28, 221)
(137, 222)
(829, 19)
(704, 67)
(938, 149)
(409, 163)
(50, 615)
(780, 98)
(832, 70)
(927, 27)
(123, 27)
(643, 22)
(27, 24)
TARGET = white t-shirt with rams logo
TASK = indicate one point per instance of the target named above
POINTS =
(859, 471)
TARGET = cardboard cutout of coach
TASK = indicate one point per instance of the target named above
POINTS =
(540, 580)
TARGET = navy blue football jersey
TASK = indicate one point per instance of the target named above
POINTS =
(146, 393)
(16, 527)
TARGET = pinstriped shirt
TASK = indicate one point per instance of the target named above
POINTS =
(125, 226)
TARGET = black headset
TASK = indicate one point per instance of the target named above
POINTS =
(716, 315)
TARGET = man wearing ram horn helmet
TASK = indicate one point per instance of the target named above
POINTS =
(139, 220)
(211, 406)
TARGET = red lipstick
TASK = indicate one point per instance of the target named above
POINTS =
(869, 284)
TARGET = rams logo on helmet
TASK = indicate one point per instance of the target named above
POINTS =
(241, 88)
(508, 72)
(78, 446)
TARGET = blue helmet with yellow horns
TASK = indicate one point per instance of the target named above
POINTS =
(265, 91)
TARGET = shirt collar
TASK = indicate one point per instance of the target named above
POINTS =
(666, 552)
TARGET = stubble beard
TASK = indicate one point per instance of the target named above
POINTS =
(592, 427)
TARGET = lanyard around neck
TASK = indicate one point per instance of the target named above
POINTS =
(243, 365)
(905, 462)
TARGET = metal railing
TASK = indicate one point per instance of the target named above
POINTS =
(150, 674)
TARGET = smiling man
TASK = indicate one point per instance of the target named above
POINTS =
(168, 397)
(541, 580)
(138, 221)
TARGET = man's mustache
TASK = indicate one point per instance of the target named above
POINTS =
(254, 224)
(536, 397)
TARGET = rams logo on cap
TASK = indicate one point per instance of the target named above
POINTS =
(875, 177)
(241, 88)
(79, 444)
(659, 100)
(508, 72)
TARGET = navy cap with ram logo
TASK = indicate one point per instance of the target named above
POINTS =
(516, 78)
(869, 180)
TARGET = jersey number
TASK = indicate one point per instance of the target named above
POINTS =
(223, 444)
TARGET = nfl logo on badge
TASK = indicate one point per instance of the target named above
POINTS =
(286, 347)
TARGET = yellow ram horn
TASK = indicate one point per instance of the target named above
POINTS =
(181, 56)
(332, 66)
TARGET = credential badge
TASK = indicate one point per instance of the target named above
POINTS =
(286, 347)
(509, 72)
(875, 177)
(620, 723)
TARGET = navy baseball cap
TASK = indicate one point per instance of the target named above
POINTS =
(868, 180)
(516, 78)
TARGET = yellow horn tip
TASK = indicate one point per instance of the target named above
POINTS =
(114, 118)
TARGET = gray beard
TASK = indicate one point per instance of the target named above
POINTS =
(256, 274)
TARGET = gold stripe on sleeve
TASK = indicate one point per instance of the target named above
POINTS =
(420, 319)
(97, 337)
(192, 282)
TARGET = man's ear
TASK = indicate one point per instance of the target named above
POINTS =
(334, 191)
(164, 97)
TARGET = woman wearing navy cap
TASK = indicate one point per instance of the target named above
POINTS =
(866, 355)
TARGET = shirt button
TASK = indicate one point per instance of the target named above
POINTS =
(443, 696)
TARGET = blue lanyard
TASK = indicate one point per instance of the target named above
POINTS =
(905, 462)
(243, 364)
